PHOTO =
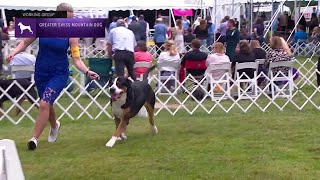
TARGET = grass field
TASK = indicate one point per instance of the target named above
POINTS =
(271, 145)
(236, 145)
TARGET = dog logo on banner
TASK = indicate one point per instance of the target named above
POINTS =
(24, 27)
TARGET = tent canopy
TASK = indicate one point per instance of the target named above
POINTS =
(99, 4)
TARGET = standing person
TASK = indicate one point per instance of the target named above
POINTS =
(178, 38)
(258, 29)
(143, 28)
(223, 29)
(121, 43)
(211, 31)
(201, 33)
(185, 24)
(303, 22)
(314, 22)
(134, 26)
(3, 36)
(160, 31)
(232, 38)
(51, 75)
(113, 24)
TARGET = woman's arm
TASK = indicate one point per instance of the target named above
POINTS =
(21, 47)
(74, 46)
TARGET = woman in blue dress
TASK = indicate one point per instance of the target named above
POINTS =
(51, 75)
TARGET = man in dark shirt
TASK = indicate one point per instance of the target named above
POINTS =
(135, 27)
(143, 28)
(195, 61)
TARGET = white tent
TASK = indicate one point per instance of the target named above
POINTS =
(99, 4)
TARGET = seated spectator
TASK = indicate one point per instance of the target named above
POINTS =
(300, 36)
(315, 37)
(277, 53)
(194, 61)
(22, 59)
(244, 35)
(242, 56)
(141, 55)
(170, 54)
(256, 49)
(219, 57)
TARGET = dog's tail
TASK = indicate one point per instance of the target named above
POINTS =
(146, 74)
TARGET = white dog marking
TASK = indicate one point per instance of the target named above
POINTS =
(23, 27)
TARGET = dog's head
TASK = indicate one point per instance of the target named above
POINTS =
(19, 24)
(118, 86)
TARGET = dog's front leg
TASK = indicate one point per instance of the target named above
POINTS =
(121, 128)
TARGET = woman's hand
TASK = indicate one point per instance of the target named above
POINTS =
(10, 57)
(93, 75)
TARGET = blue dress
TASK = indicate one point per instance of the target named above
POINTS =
(51, 69)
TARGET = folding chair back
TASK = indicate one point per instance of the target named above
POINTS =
(25, 68)
(142, 65)
(172, 79)
(260, 61)
(247, 87)
(102, 66)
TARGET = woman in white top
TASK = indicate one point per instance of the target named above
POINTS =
(218, 57)
(178, 37)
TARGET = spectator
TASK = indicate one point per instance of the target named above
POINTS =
(243, 21)
(314, 22)
(244, 34)
(188, 39)
(201, 32)
(113, 24)
(3, 36)
(160, 31)
(291, 23)
(277, 54)
(303, 22)
(275, 25)
(283, 23)
(244, 55)
(178, 37)
(185, 24)
(258, 29)
(233, 38)
(218, 57)
(143, 28)
(256, 49)
(195, 55)
(134, 26)
(141, 55)
(211, 31)
(11, 31)
(237, 22)
(299, 37)
(223, 29)
(315, 37)
(23, 59)
(122, 42)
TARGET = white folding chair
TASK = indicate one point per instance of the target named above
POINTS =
(260, 61)
(142, 65)
(250, 88)
(222, 82)
(163, 79)
(280, 76)
(26, 68)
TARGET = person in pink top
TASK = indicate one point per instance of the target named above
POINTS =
(219, 57)
(141, 55)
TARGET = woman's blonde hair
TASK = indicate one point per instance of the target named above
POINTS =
(65, 7)
(316, 30)
(275, 42)
(254, 44)
(169, 44)
(219, 47)
(285, 46)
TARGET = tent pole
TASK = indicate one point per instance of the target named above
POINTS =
(3, 13)
(251, 15)
(296, 15)
(215, 19)
(272, 14)
(174, 20)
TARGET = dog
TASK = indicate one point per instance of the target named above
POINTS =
(15, 92)
(127, 98)
(23, 27)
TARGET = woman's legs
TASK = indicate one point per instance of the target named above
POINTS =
(45, 110)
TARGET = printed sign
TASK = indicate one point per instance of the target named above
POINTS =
(59, 27)
(41, 14)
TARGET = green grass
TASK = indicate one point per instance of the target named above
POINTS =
(271, 145)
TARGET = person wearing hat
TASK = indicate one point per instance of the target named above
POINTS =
(121, 43)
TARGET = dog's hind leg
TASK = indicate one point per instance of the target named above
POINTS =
(150, 110)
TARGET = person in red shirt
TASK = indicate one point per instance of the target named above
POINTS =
(141, 55)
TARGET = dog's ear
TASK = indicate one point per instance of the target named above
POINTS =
(110, 82)
(128, 83)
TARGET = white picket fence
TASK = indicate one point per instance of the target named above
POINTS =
(93, 105)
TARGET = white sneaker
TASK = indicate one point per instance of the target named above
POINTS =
(33, 143)
(53, 134)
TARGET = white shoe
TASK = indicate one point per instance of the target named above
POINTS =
(33, 143)
(53, 135)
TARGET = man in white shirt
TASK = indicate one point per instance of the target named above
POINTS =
(121, 44)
